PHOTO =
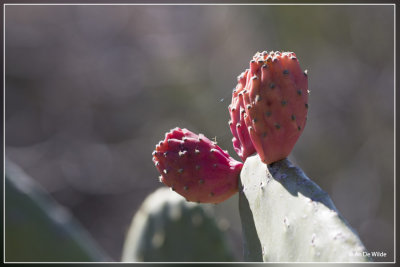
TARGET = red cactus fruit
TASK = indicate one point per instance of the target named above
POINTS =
(196, 167)
(271, 98)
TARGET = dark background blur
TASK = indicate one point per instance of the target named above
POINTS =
(90, 90)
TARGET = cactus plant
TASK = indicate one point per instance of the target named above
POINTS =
(285, 216)
(168, 228)
(39, 229)
(293, 219)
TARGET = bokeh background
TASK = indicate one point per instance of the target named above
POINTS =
(90, 90)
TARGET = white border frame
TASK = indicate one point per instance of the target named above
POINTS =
(202, 4)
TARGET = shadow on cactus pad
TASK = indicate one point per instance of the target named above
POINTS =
(286, 217)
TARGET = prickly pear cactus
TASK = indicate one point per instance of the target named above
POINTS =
(39, 229)
(287, 217)
(168, 228)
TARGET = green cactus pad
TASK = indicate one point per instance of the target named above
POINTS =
(288, 218)
(38, 229)
(167, 228)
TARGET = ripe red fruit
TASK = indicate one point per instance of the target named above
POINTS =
(196, 167)
(271, 98)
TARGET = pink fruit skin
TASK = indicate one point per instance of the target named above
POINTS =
(272, 95)
(241, 138)
(196, 167)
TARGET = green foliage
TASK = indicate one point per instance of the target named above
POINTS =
(287, 217)
(168, 228)
(39, 229)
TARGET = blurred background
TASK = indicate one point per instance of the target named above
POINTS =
(90, 90)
